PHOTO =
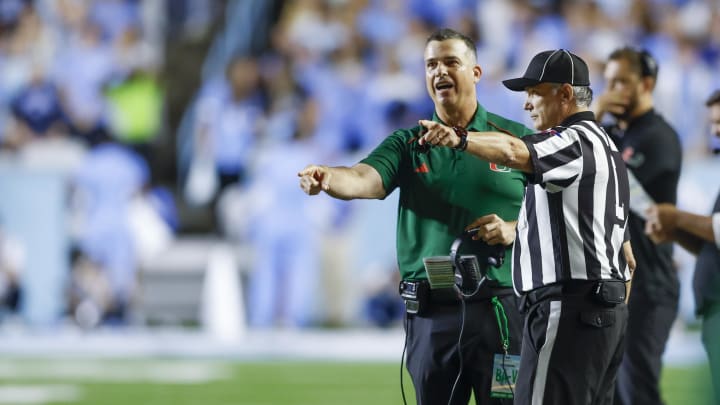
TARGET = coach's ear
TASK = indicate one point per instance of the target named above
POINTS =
(477, 73)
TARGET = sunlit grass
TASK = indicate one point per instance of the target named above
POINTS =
(265, 383)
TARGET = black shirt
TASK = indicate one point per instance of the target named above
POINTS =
(706, 281)
(651, 150)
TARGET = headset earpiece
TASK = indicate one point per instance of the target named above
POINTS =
(457, 263)
(648, 64)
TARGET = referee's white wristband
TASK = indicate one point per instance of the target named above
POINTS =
(716, 228)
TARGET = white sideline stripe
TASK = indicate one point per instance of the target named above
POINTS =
(38, 394)
(545, 352)
(368, 345)
(154, 372)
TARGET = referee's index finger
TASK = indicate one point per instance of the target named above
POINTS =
(307, 171)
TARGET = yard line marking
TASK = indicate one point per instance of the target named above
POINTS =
(166, 372)
(37, 394)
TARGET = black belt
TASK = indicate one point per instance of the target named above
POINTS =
(571, 288)
(448, 296)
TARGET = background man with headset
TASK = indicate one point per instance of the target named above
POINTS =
(651, 150)
(700, 235)
(442, 190)
(571, 253)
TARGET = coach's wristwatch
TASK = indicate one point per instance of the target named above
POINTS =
(462, 133)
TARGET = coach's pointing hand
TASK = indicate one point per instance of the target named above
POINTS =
(314, 178)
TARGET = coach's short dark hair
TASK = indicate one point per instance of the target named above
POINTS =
(640, 60)
(446, 33)
(714, 98)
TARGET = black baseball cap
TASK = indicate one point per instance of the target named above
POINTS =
(558, 66)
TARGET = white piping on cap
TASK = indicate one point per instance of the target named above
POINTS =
(546, 62)
(572, 68)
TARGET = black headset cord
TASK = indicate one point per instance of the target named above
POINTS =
(459, 350)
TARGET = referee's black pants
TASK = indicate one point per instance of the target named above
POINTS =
(432, 357)
(572, 347)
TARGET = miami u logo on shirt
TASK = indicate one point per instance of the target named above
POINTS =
(423, 168)
(499, 168)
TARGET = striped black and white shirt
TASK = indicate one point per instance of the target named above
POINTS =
(573, 217)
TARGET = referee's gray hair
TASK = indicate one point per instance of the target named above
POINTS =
(583, 96)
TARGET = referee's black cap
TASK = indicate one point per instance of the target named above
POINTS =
(558, 66)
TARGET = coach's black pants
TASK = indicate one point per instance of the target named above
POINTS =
(432, 358)
(648, 332)
(572, 347)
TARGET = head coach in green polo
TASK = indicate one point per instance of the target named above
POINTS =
(442, 191)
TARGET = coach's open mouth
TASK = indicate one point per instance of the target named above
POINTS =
(443, 85)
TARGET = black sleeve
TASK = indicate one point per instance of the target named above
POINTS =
(662, 158)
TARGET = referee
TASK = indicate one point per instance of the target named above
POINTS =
(567, 261)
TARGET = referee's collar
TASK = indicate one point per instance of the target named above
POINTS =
(577, 117)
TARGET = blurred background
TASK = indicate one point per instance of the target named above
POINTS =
(149, 202)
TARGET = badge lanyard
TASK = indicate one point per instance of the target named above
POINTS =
(502, 323)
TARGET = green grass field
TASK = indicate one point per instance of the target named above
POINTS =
(203, 382)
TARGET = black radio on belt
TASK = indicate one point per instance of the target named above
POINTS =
(416, 295)
(610, 293)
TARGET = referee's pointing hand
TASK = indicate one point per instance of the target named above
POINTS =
(438, 134)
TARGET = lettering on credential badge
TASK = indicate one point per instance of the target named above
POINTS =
(505, 375)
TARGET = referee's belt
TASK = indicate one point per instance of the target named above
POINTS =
(448, 296)
(572, 288)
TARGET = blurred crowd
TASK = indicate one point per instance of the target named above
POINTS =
(80, 94)
(333, 79)
(78, 68)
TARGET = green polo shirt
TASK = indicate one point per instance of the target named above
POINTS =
(444, 190)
